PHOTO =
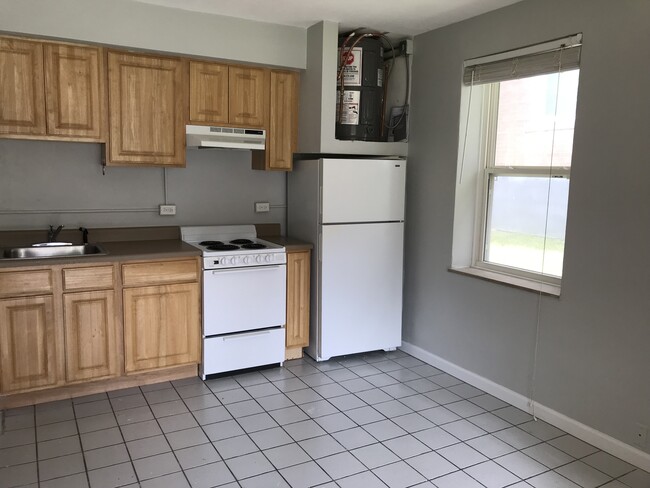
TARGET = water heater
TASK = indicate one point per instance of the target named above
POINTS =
(360, 90)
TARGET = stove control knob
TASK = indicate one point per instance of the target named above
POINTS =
(247, 260)
(258, 258)
(269, 258)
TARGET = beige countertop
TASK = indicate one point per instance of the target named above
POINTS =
(291, 245)
(128, 244)
(117, 251)
(271, 232)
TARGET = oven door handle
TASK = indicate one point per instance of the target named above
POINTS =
(254, 269)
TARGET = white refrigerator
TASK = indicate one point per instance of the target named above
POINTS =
(352, 211)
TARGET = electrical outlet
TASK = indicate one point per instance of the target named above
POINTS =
(262, 207)
(641, 435)
(167, 209)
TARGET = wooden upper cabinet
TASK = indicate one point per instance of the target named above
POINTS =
(74, 91)
(248, 96)
(51, 91)
(146, 110)
(229, 95)
(282, 135)
(22, 102)
(208, 93)
(283, 130)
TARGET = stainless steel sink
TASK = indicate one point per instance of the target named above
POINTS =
(52, 252)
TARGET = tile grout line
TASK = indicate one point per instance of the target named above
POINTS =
(142, 392)
(83, 455)
(355, 363)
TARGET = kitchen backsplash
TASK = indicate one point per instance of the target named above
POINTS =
(42, 183)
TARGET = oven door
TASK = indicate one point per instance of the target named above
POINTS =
(241, 299)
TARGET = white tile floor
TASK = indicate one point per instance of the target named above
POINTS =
(366, 421)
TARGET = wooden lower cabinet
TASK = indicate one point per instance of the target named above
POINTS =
(91, 335)
(30, 348)
(298, 276)
(161, 326)
(73, 329)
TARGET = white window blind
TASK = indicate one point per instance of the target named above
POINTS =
(522, 64)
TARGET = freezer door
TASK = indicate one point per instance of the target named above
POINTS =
(361, 294)
(362, 190)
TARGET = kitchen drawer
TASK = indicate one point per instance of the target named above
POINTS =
(95, 278)
(239, 351)
(21, 283)
(160, 272)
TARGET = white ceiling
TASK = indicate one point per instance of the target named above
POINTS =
(405, 17)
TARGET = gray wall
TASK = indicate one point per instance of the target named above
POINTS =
(594, 339)
(217, 187)
(139, 25)
(38, 178)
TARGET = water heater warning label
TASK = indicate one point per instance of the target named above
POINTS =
(350, 113)
(353, 62)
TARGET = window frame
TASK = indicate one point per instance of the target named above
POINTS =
(487, 170)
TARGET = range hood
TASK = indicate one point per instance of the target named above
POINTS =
(205, 136)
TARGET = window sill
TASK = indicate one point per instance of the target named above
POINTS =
(509, 280)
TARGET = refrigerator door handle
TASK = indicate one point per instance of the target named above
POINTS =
(320, 247)
(320, 204)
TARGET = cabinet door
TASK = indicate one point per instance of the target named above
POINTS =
(74, 87)
(22, 105)
(298, 267)
(161, 326)
(29, 347)
(208, 93)
(282, 135)
(91, 339)
(146, 110)
(283, 130)
(248, 96)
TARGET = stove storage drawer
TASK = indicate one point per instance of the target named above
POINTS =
(245, 350)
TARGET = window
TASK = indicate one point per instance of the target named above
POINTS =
(521, 122)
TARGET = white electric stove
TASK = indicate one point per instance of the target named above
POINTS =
(244, 297)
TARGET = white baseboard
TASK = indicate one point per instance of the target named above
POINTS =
(588, 434)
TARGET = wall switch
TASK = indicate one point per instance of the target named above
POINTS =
(167, 209)
(641, 435)
(262, 207)
(407, 46)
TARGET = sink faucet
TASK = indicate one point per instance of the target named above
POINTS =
(53, 233)
(84, 234)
